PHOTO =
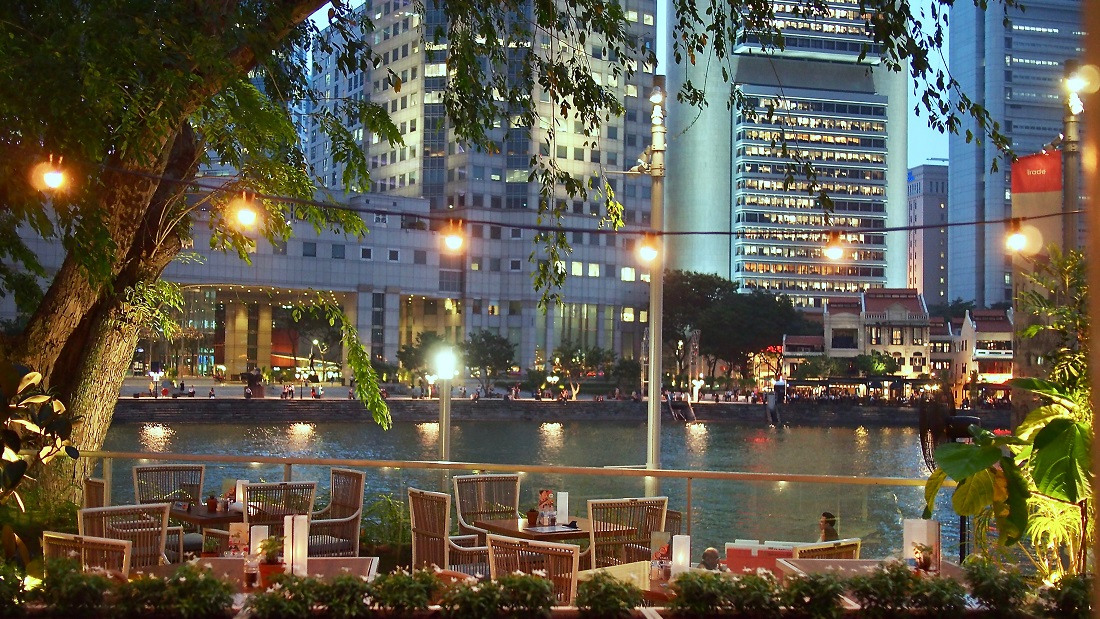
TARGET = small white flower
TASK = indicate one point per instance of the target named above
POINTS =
(208, 565)
(540, 573)
(517, 573)
(183, 579)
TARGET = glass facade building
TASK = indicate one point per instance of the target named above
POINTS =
(845, 117)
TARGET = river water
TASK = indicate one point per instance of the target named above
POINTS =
(722, 511)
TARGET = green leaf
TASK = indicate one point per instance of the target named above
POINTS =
(962, 460)
(973, 494)
(1012, 514)
(1060, 460)
(1054, 391)
(931, 489)
(1038, 419)
(13, 473)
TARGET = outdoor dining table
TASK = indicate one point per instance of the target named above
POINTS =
(199, 516)
(654, 590)
(518, 527)
(232, 568)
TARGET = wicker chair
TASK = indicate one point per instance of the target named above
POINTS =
(485, 497)
(432, 544)
(95, 493)
(268, 504)
(93, 553)
(622, 529)
(145, 526)
(334, 530)
(168, 483)
(673, 521)
(557, 562)
(838, 549)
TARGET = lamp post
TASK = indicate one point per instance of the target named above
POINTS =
(553, 380)
(445, 366)
(1075, 85)
(656, 274)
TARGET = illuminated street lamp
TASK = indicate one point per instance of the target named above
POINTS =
(657, 273)
(445, 366)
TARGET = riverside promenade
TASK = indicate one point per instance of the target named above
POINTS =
(229, 406)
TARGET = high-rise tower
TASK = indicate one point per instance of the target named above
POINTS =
(1015, 71)
(726, 172)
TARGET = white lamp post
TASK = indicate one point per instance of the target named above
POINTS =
(445, 367)
(656, 274)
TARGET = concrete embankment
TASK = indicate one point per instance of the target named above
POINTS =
(274, 410)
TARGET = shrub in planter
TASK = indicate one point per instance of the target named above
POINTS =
(1001, 589)
(347, 597)
(12, 591)
(701, 594)
(472, 601)
(937, 596)
(403, 592)
(193, 592)
(69, 592)
(755, 596)
(607, 597)
(526, 596)
(884, 592)
(290, 597)
(1068, 598)
(812, 596)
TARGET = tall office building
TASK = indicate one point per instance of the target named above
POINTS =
(726, 171)
(927, 263)
(1015, 71)
(490, 284)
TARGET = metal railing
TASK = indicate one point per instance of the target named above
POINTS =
(689, 477)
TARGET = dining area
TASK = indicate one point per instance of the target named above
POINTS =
(175, 518)
(474, 537)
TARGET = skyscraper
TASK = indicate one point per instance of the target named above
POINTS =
(1015, 71)
(726, 171)
(927, 260)
(491, 196)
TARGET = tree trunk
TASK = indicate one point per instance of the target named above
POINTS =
(88, 373)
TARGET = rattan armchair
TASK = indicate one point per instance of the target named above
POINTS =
(673, 521)
(267, 504)
(622, 529)
(838, 549)
(96, 493)
(168, 483)
(432, 544)
(334, 530)
(485, 497)
(93, 553)
(557, 562)
(145, 526)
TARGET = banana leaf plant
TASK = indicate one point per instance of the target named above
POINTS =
(1046, 457)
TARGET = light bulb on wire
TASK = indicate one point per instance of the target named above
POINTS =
(834, 250)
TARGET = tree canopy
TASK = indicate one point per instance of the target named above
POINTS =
(131, 96)
(490, 354)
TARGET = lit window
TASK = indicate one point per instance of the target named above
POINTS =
(594, 269)
(628, 314)
(631, 90)
(632, 16)
(628, 274)
(576, 269)
(647, 19)
(644, 277)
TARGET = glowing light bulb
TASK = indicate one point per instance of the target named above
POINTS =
(647, 253)
(453, 241)
(1016, 241)
(246, 216)
(54, 178)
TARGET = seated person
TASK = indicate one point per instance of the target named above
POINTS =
(710, 561)
(828, 528)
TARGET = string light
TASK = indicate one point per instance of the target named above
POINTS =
(834, 249)
(452, 240)
(1016, 241)
(647, 251)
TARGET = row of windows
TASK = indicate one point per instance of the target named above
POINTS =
(780, 168)
(804, 202)
(814, 154)
(805, 187)
(814, 122)
(792, 137)
(799, 219)
(794, 284)
(799, 252)
(810, 269)
(897, 336)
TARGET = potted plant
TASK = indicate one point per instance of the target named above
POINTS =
(270, 563)
(211, 547)
(385, 532)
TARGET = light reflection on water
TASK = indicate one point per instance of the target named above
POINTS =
(722, 511)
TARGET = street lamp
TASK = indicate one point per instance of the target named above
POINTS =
(553, 380)
(657, 272)
(1076, 83)
(445, 366)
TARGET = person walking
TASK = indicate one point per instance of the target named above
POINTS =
(211, 393)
